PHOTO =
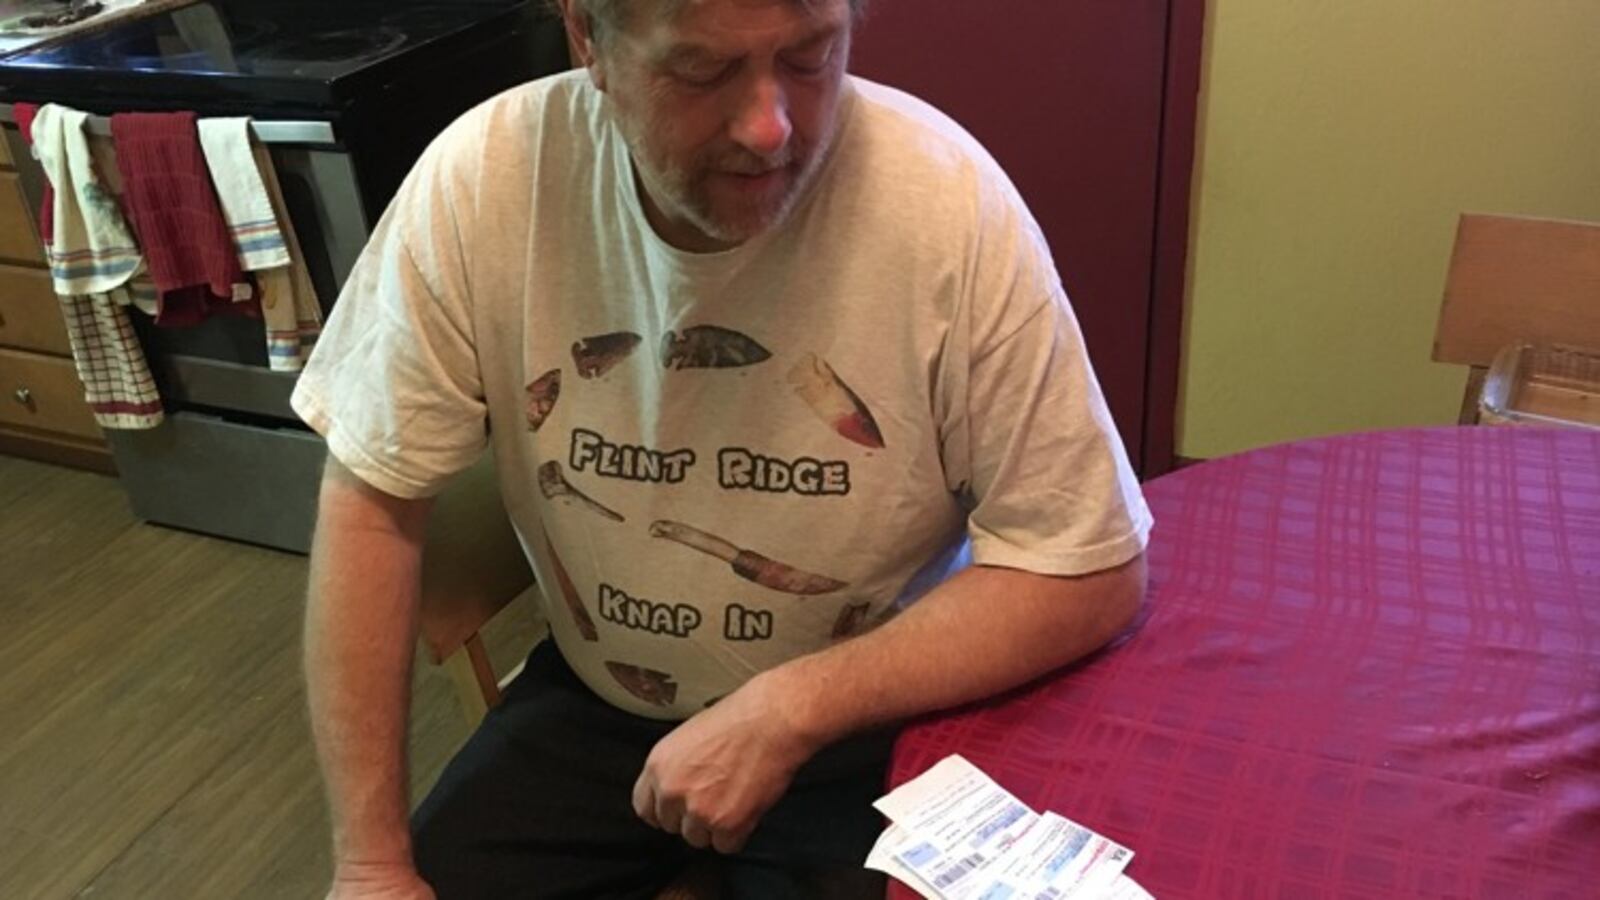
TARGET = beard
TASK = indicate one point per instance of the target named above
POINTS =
(726, 193)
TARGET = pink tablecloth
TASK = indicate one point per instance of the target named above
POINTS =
(1370, 669)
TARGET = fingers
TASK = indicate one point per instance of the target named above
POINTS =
(670, 813)
(696, 833)
(701, 834)
(644, 800)
(729, 841)
(658, 808)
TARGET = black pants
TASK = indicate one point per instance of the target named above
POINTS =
(539, 805)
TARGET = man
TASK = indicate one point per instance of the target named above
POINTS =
(756, 346)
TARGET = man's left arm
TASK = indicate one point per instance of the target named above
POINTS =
(982, 632)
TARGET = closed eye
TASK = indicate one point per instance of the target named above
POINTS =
(696, 66)
(806, 67)
(813, 55)
(707, 73)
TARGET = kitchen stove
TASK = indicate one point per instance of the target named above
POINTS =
(345, 94)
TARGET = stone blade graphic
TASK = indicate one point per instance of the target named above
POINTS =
(833, 401)
(569, 594)
(747, 564)
(649, 685)
(710, 347)
(542, 395)
(850, 620)
(595, 356)
(553, 484)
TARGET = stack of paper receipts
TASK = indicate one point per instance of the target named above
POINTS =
(956, 835)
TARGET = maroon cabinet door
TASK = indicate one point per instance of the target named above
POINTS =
(1067, 95)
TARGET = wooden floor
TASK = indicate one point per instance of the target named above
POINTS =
(153, 734)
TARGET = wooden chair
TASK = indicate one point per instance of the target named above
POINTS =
(1515, 280)
(473, 568)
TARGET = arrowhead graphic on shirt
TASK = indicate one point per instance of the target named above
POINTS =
(648, 685)
(710, 347)
(542, 396)
(850, 620)
(595, 356)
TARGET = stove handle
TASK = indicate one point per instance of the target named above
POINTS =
(268, 131)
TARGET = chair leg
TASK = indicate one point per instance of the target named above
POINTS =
(1469, 398)
(474, 679)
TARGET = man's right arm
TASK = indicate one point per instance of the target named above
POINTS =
(360, 634)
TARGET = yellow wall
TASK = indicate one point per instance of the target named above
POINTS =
(1340, 140)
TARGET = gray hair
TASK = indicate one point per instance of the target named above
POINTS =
(606, 16)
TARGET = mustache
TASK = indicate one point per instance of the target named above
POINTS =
(748, 164)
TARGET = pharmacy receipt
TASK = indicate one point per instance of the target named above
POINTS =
(959, 835)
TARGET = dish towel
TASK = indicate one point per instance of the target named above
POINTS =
(186, 242)
(254, 210)
(92, 256)
(245, 205)
(288, 291)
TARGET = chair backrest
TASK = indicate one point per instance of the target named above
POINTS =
(472, 563)
(473, 566)
(1515, 280)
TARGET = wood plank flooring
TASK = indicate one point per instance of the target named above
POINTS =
(153, 734)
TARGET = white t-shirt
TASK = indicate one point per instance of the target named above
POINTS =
(719, 462)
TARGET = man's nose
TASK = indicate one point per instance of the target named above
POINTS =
(762, 124)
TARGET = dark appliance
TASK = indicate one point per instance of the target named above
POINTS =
(346, 94)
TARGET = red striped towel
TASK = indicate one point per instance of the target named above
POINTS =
(186, 242)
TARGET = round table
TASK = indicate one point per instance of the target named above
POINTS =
(1369, 667)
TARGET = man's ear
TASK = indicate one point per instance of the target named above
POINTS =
(580, 42)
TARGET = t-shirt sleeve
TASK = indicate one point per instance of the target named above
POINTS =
(1052, 488)
(394, 384)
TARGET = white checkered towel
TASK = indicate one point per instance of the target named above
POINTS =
(92, 256)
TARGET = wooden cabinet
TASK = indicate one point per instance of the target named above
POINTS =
(1089, 106)
(18, 240)
(44, 393)
(28, 312)
(42, 410)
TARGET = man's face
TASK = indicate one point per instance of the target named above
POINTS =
(728, 107)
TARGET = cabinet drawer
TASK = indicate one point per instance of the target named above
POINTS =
(43, 392)
(30, 314)
(18, 241)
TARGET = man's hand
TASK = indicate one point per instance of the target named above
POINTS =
(981, 632)
(714, 776)
(378, 882)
